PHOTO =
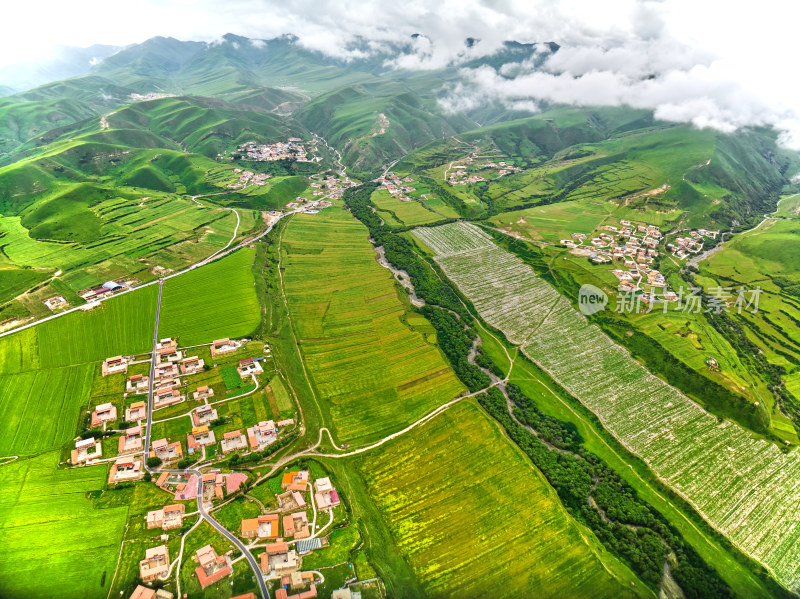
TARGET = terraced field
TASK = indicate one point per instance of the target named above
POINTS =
(473, 517)
(746, 488)
(55, 542)
(215, 301)
(40, 409)
(373, 374)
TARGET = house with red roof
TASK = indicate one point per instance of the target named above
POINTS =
(212, 567)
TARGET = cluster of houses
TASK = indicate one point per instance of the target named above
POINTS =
(170, 365)
(460, 175)
(635, 245)
(292, 149)
(246, 177)
(396, 186)
(691, 243)
(105, 290)
(331, 185)
(55, 302)
(216, 484)
(151, 96)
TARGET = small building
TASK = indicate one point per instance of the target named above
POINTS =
(262, 435)
(125, 469)
(136, 411)
(285, 423)
(155, 564)
(204, 414)
(166, 451)
(291, 501)
(249, 367)
(138, 383)
(224, 346)
(203, 392)
(85, 451)
(167, 397)
(105, 412)
(142, 592)
(159, 384)
(55, 302)
(262, 527)
(131, 441)
(167, 370)
(279, 558)
(166, 346)
(296, 525)
(326, 496)
(114, 365)
(168, 518)
(294, 480)
(212, 567)
(192, 365)
(200, 436)
(233, 441)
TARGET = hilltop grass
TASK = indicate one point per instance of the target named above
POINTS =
(215, 301)
(373, 374)
(46, 521)
(40, 409)
(444, 491)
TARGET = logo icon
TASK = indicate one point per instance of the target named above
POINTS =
(591, 299)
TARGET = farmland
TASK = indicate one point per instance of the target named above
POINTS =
(214, 301)
(739, 484)
(450, 530)
(56, 542)
(373, 373)
(39, 409)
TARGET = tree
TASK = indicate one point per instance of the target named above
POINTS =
(154, 462)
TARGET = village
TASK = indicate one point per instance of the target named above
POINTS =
(291, 149)
(461, 174)
(192, 387)
(396, 186)
(636, 245)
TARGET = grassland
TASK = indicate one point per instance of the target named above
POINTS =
(56, 542)
(405, 213)
(372, 373)
(472, 516)
(681, 443)
(215, 301)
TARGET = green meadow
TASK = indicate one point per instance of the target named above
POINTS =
(372, 373)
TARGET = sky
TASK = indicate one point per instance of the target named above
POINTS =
(716, 64)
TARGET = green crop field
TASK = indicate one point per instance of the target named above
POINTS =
(56, 543)
(372, 373)
(215, 301)
(472, 516)
(407, 213)
(39, 409)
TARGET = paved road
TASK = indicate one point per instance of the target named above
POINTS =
(200, 508)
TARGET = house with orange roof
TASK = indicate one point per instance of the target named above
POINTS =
(136, 411)
(114, 365)
(167, 345)
(203, 392)
(168, 370)
(192, 365)
(167, 518)
(294, 480)
(125, 469)
(155, 563)
(138, 383)
(85, 451)
(200, 436)
(224, 346)
(166, 451)
(131, 441)
(262, 435)
(163, 383)
(204, 415)
(245, 596)
(278, 558)
(212, 567)
(142, 592)
(233, 441)
(262, 527)
(167, 397)
(296, 525)
(105, 412)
